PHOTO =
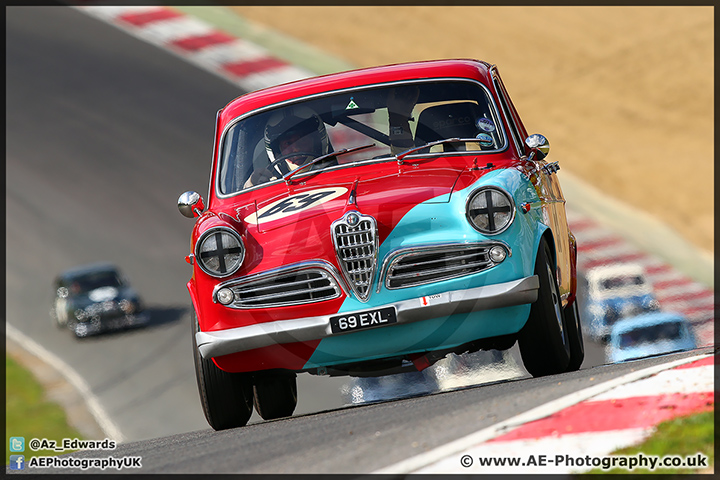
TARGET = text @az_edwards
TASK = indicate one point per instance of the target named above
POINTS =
(68, 444)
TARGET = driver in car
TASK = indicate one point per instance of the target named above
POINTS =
(294, 136)
(400, 104)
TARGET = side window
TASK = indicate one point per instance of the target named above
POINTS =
(243, 151)
(514, 131)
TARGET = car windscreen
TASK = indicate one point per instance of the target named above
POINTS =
(91, 281)
(626, 281)
(263, 146)
(663, 332)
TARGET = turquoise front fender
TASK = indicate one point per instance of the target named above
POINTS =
(432, 223)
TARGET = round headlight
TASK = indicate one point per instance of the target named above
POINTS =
(490, 210)
(220, 252)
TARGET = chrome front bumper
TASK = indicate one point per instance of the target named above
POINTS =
(224, 342)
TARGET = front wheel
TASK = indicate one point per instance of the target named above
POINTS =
(226, 397)
(275, 394)
(543, 341)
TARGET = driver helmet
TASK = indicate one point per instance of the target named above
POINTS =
(295, 120)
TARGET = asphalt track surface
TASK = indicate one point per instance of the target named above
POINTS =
(103, 133)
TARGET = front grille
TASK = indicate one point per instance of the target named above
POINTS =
(286, 288)
(355, 240)
(106, 309)
(433, 264)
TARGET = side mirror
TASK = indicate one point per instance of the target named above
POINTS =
(191, 204)
(539, 145)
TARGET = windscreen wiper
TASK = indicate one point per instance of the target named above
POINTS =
(319, 159)
(399, 157)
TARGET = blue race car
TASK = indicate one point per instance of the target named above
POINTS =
(649, 334)
(614, 292)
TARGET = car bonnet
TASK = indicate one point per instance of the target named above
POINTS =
(371, 189)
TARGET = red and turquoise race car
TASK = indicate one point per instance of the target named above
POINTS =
(370, 222)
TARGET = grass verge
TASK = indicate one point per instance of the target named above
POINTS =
(29, 414)
(684, 437)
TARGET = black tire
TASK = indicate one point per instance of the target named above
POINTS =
(275, 394)
(543, 341)
(575, 338)
(226, 397)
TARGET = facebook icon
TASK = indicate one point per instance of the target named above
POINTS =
(17, 462)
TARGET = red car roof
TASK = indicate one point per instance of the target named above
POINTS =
(463, 68)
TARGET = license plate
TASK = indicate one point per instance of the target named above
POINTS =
(361, 320)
